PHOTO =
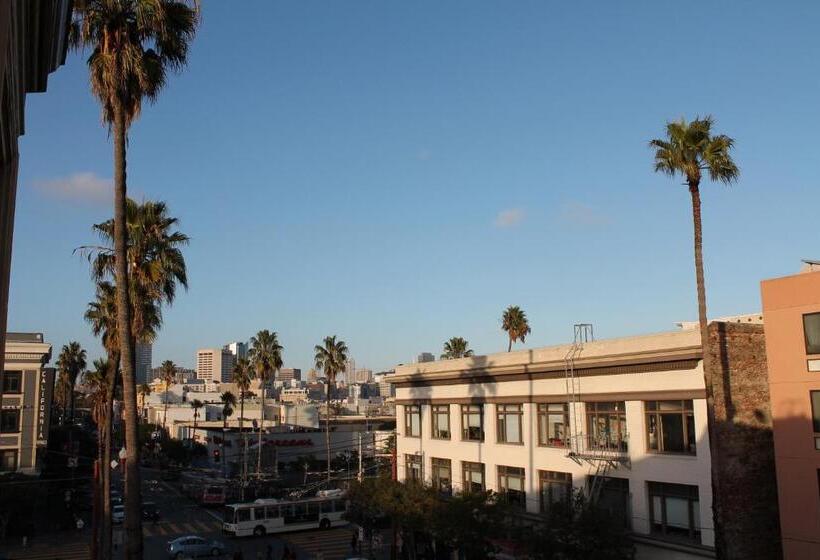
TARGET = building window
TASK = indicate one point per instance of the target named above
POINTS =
(441, 421)
(8, 460)
(606, 425)
(553, 420)
(811, 330)
(412, 420)
(9, 421)
(508, 423)
(555, 487)
(674, 510)
(413, 467)
(473, 475)
(442, 476)
(472, 422)
(815, 415)
(511, 486)
(12, 382)
(670, 426)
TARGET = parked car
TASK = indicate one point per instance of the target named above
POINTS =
(118, 514)
(194, 547)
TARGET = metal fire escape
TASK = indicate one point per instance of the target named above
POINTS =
(602, 452)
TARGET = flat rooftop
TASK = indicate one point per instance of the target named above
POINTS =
(24, 337)
(659, 347)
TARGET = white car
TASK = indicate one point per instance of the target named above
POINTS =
(118, 514)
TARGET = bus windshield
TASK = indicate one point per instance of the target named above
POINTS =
(229, 514)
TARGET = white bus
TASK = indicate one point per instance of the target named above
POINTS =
(264, 517)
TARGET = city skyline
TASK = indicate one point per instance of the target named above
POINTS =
(531, 153)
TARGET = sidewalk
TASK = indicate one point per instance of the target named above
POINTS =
(65, 545)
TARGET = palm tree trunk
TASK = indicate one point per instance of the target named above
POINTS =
(165, 413)
(261, 427)
(707, 363)
(509, 345)
(327, 431)
(222, 446)
(133, 499)
(108, 416)
(244, 442)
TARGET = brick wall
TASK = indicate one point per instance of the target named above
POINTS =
(743, 458)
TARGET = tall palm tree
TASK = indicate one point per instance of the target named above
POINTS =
(514, 322)
(133, 45)
(691, 150)
(196, 404)
(331, 357)
(62, 396)
(456, 347)
(241, 376)
(167, 372)
(265, 355)
(101, 314)
(228, 400)
(71, 363)
(144, 391)
(96, 382)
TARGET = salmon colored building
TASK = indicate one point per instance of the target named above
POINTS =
(791, 314)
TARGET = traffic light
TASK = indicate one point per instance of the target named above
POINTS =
(217, 456)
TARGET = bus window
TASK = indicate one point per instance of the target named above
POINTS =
(338, 505)
(287, 513)
(312, 511)
(299, 511)
(273, 512)
(229, 515)
(243, 514)
(259, 513)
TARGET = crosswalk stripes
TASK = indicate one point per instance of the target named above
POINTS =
(334, 544)
(73, 551)
(168, 528)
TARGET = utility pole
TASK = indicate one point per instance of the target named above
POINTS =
(360, 457)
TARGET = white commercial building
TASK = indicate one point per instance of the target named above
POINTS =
(627, 425)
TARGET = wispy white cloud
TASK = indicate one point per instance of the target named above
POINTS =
(580, 214)
(509, 218)
(85, 187)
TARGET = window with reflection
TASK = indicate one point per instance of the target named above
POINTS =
(670, 427)
(553, 420)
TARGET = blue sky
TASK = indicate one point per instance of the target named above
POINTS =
(397, 173)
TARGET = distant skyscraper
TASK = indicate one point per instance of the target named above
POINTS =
(238, 349)
(143, 358)
(350, 371)
(426, 357)
(288, 374)
(363, 375)
(214, 364)
(312, 375)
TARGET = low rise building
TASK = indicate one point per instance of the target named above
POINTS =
(624, 420)
(630, 420)
(27, 390)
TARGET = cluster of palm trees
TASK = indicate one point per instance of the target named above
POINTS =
(133, 46)
(156, 269)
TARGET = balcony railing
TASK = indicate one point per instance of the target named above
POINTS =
(613, 447)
